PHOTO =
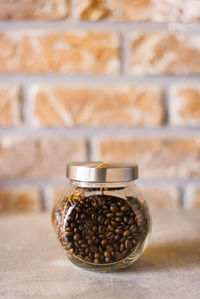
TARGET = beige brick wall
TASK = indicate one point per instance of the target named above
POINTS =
(99, 79)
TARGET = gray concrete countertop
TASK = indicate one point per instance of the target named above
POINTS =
(33, 264)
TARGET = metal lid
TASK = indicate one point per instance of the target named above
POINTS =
(101, 172)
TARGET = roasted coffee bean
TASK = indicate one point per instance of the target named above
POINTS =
(125, 208)
(94, 228)
(101, 229)
(104, 242)
(109, 215)
(119, 214)
(107, 259)
(109, 248)
(126, 219)
(133, 228)
(96, 261)
(90, 242)
(76, 237)
(117, 237)
(128, 244)
(119, 256)
(89, 222)
(107, 254)
(126, 233)
(122, 247)
(69, 233)
(118, 219)
(122, 239)
(119, 231)
(94, 249)
(116, 246)
(110, 227)
(114, 223)
(105, 207)
(114, 208)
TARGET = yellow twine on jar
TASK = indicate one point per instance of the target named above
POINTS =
(100, 165)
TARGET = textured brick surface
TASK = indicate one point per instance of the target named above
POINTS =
(120, 89)
(38, 157)
(97, 106)
(166, 197)
(192, 197)
(156, 156)
(20, 199)
(185, 105)
(33, 9)
(9, 105)
(164, 52)
(39, 51)
(143, 10)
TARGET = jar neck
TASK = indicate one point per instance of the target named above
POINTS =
(100, 185)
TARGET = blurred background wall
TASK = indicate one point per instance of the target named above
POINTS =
(99, 80)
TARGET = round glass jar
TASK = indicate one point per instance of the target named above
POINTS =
(100, 217)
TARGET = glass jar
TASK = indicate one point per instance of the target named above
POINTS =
(100, 217)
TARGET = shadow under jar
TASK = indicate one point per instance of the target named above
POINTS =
(100, 217)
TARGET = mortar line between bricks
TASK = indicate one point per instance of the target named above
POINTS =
(125, 55)
(90, 133)
(26, 107)
(165, 104)
(75, 79)
(75, 24)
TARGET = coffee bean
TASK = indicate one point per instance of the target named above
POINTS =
(105, 207)
(89, 222)
(126, 219)
(119, 214)
(90, 242)
(71, 251)
(118, 219)
(133, 228)
(123, 239)
(88, 259)
(110, 227)
(119, 256)
(96, 261)
(69, 233)
(125, 208)
(126, 233)
(104, 242)
(110, 215)
(76, 237)
(109, 248)
(109, 235)
(101, 229)
(128, 244)
(107, 254)
(119, 231)
(114, 223)
(114, 208)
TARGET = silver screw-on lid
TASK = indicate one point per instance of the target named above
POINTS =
(101, 172)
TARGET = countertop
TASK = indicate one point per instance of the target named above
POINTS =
(33, 264)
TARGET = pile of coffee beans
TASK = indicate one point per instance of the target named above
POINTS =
(101, 229)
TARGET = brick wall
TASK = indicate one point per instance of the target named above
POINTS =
(97, 79)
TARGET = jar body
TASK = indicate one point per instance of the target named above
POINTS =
(102, 226)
